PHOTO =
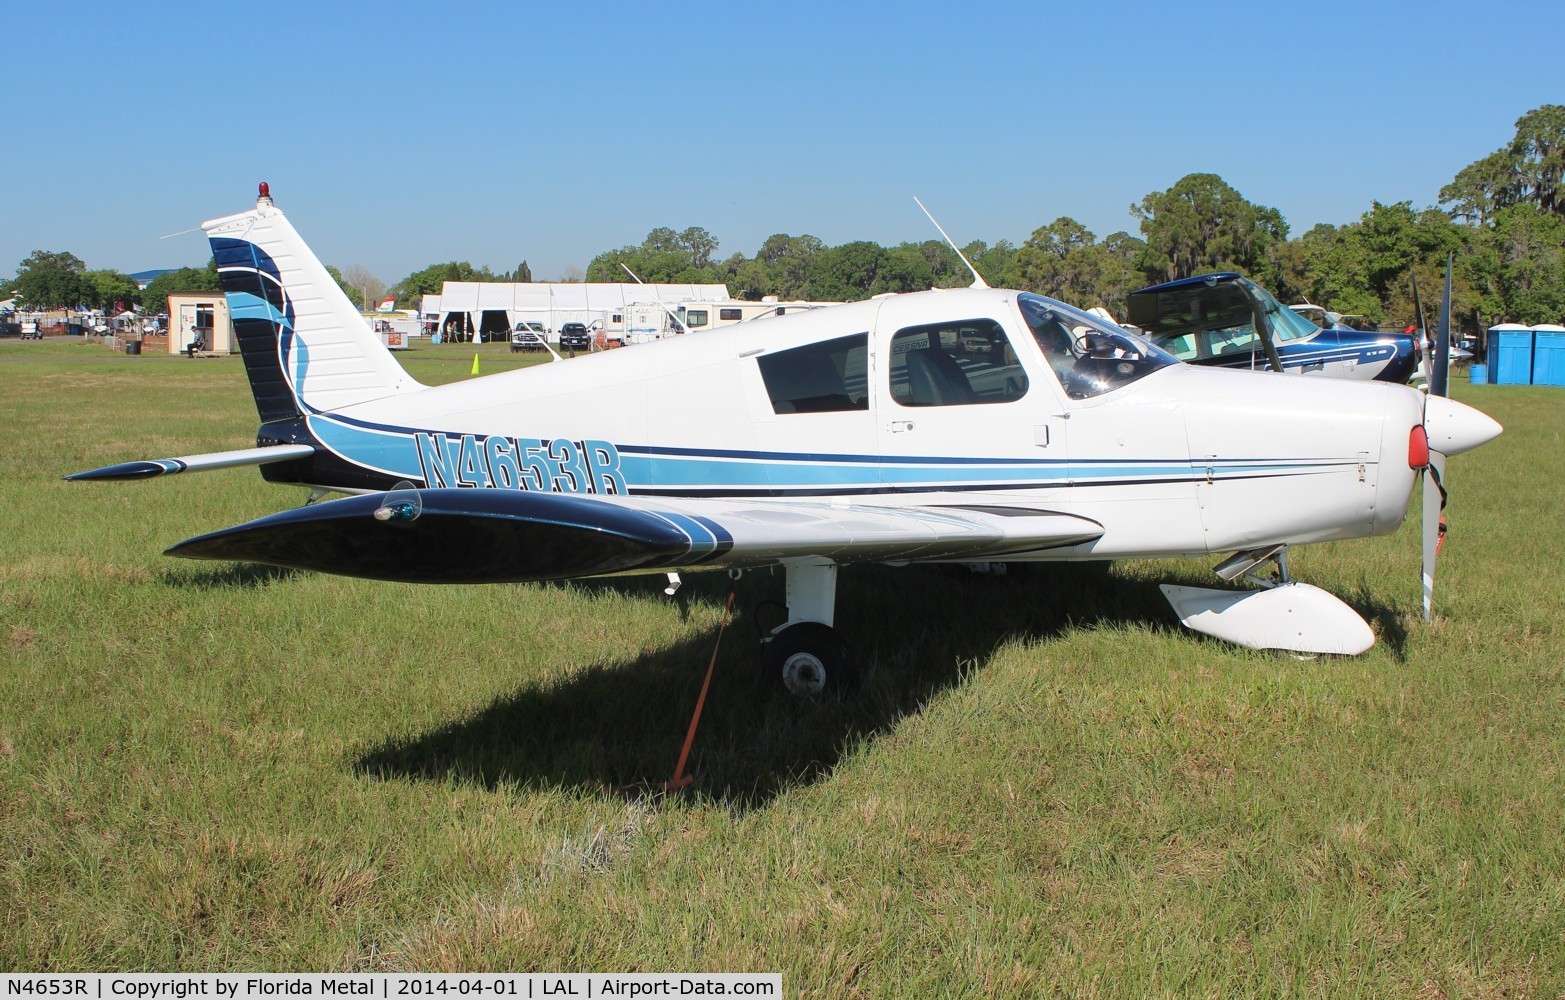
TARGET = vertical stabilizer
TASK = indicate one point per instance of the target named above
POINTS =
(305, 347)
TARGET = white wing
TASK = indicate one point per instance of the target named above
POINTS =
(478, 536)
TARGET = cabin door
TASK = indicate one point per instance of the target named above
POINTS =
(961, 403)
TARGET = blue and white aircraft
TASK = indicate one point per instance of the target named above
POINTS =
(944, 426)
(1228, 321)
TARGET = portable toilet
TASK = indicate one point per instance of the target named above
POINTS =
(1510, 354)
(1548, 354)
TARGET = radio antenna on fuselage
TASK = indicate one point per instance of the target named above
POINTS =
(978, 279)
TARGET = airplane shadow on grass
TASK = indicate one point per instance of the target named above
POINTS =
(226, 576)
(1387, 621)
(617, 729)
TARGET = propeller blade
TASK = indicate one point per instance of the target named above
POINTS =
(1451, 429)
(1438, 384)
(1434, 526)
(1423, 334)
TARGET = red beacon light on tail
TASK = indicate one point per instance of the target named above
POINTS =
(264, 196)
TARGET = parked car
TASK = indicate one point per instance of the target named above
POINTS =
(528, 337)
(574, 337)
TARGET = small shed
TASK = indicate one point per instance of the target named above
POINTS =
(1510, 354)
(199, 313)
(1548, 354)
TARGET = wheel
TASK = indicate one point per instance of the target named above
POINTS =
(809, 658)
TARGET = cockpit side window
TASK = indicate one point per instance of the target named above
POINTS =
(1090, 355)
(818, 378)
(955, 364)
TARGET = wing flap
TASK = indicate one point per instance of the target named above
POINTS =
(151, 468)
(494, 536)
(764, 531)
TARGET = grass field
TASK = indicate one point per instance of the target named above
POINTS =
(1044, 786)
(455, 359)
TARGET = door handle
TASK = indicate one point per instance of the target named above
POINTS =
(899, 426)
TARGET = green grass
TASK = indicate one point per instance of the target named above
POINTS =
(428, 362)
(1045, 784)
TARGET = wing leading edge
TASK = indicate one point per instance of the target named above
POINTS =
(493, 536)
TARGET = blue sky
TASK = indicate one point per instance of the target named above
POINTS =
(398, 136)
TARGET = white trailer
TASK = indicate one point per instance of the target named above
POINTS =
(646, 321)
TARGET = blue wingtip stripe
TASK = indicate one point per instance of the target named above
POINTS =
(725, 541)
(702, 539)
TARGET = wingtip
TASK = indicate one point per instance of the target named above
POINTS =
(124, 470)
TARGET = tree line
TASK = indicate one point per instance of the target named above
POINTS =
(60, 280)
(1503, 216)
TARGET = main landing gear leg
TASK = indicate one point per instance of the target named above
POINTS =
(805, 653)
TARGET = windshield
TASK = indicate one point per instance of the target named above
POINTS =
(1214, 318)
(1315, 314)
(1091, 356)
(1286, 324)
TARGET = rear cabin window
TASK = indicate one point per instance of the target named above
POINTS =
(955, 364)
(728, 315)
(818, 378)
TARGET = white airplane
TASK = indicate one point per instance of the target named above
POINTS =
(944, 426)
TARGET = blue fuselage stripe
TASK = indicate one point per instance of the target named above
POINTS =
(644, 469)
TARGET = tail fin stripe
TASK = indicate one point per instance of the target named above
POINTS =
(262, 330)
(241, 253)
(243, 305)
(274, 398)
(248, 281)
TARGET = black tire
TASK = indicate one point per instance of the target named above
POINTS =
(809, 659)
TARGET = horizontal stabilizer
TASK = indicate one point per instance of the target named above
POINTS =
(501, 536)
(1294, 616)
(198, 463)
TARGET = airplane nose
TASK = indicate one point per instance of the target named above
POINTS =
(1456, 427)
